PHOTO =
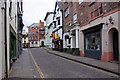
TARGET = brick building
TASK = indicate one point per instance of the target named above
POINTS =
(71, 27)
(36, 34)
(98, 28)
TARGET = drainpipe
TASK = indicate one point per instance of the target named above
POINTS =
(6, 65)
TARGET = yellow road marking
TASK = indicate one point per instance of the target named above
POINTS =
(85, 65)
(38, 68)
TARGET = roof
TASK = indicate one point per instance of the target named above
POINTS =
(59, 3)
(47, 15)
(35, 25)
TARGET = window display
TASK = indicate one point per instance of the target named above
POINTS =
(93, 41)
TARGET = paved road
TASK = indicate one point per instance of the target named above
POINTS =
(51, 66)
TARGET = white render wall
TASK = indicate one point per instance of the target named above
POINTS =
(48, 32)
(34, 44)
(60, 31)
(2, 60)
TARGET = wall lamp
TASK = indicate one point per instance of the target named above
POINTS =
(111, 20)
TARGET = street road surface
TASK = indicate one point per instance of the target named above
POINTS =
(51, 66)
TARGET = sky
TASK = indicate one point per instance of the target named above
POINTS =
(35, 10)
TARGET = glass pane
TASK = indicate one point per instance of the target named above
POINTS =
(96, 6)
(88, 41)
(91, 8)
(101, 10)
(93, 41)
(92, 15)
(96, 13)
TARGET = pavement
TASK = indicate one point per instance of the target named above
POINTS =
(106, 66)
(24, 67)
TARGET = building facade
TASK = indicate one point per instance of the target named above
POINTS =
(48, 29)
(92, 28)
(57, 33)
(9, 23)
(71, 27)
(100, 35)
(25, 41)
(36, 33)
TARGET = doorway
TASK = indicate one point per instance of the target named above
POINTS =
(42, 44)
(115, 45)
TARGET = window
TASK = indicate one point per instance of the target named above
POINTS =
(80, 1)
(36, 38)
(75, 18)
(42, 37)
(36, 27)
(42, 32)
(33, 38)
(58, 21)
(10, 8)
(36, 32)
(33, 28)
(66, 12)
(95, 10)
(93, 41)
(32, 42)
(33, 32)
(36, 42)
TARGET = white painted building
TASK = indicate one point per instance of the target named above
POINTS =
(58, 27)
(2, 41)
(48, 29)
(8, 34)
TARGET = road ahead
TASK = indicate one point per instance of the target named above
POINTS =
(51, 66)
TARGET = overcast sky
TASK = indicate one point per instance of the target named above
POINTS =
(35, 10)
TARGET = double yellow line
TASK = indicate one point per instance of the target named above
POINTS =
(38, 68)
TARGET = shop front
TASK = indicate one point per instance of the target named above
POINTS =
(92, 42)
(13, 55)
(57, 43)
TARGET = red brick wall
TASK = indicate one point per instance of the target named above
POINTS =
(38, 34)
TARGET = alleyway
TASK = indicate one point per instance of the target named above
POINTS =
(38, 63)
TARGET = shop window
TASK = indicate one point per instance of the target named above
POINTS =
(96, 10)
(93, 41)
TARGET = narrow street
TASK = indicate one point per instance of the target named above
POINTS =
(40, 64)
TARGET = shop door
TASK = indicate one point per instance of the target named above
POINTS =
(115, 45)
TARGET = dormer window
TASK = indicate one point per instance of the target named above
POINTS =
(95, 10)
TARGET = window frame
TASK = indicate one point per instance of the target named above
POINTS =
(75, 19)
(67, 12)
(93, 12)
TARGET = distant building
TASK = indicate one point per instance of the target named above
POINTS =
(48, 28)
(25, 41)
(36, 34)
